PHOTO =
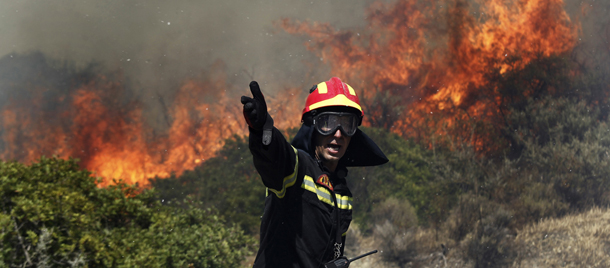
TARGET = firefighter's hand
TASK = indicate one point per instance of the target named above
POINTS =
(255, 109)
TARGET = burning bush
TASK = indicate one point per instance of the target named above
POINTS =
(440, 59)
(500, 122)
(94, 115)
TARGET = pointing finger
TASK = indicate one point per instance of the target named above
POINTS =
(256, 91)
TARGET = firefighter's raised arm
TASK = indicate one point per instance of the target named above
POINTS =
(274, 157)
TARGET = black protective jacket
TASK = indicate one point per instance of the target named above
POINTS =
(298, 227)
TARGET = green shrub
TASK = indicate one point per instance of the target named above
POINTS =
(395, 223)
(568, 149)
(538, 201)
(228, 182)
(398, 212)
(491, 244)
(53, 214)
(405, 177)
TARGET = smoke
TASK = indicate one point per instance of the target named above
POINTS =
(594, 39)
(160, 41)
(158, 44)
(170, 64)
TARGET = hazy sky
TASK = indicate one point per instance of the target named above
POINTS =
(155, 40)
(157, 44)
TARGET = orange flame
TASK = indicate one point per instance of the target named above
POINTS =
(111, 139)
(425, 57)
(417, 57)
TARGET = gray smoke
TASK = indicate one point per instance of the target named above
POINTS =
(158, 44)
(157, 41)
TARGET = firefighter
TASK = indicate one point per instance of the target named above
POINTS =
(308, 208)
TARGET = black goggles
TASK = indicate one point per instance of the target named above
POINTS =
(327, 123)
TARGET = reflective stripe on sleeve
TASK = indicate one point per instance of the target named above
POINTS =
(288, 180)
(343, 202)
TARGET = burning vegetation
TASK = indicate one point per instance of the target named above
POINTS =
(493, 113)
(435, 71)
(431, 68)
(82, 114)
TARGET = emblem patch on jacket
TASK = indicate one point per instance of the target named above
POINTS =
(325, 180)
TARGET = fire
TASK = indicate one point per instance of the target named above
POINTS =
(434, 55)
(111, 138)
(418, 66)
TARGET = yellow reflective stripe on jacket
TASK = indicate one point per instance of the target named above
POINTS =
(288, 180)
(343, 202)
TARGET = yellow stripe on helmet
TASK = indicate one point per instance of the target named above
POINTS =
(339, 100)
(322, 88)
(351, 90)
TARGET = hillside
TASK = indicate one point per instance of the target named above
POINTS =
(576, 240)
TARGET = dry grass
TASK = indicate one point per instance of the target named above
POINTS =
(429, 252)
(580, 240)
(357, 244)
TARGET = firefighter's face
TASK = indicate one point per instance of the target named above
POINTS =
(330, 148)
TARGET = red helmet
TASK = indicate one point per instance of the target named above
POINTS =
(332, 93)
